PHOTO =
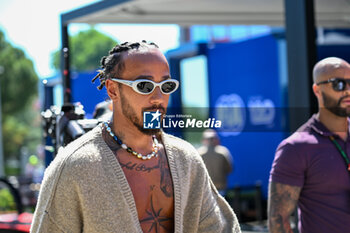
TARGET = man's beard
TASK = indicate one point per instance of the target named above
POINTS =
(334, 106)
(130, 113)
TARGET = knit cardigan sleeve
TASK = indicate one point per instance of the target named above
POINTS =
(58, 208)
(216, 215)
(220, 217)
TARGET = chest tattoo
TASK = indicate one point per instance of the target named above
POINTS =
(166, 184)
(139, 167)
(155, 218)
(165, 178)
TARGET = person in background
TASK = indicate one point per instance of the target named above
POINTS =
(123, 177)
(217, 159)
(311, 169)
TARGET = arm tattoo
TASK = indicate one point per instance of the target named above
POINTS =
(282, 201)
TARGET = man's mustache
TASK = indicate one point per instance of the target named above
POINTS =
(154, 108)
(341, 99)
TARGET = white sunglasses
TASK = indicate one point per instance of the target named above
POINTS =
(145, 86)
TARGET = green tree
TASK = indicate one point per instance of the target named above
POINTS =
(86, 50)
(18, 83)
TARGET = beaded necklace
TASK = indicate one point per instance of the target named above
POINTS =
(155, 146)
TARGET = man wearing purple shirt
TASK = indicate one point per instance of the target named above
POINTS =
(311, 169)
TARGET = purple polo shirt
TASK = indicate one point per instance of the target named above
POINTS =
(308, 159)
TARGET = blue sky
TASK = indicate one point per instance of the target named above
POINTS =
(33, 25)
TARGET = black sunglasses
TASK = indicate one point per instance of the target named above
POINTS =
(338, 84)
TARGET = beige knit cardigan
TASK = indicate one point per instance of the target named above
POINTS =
(85, 190)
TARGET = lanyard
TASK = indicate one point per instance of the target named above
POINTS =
(342, 152)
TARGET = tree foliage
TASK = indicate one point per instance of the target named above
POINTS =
(86, 50)
(19, 87)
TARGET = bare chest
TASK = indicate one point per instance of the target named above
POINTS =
(151, 184)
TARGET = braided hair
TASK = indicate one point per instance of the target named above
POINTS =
(112, 64)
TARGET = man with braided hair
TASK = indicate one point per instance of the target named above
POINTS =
(120, 177)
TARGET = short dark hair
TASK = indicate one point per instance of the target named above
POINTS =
(112, 64)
